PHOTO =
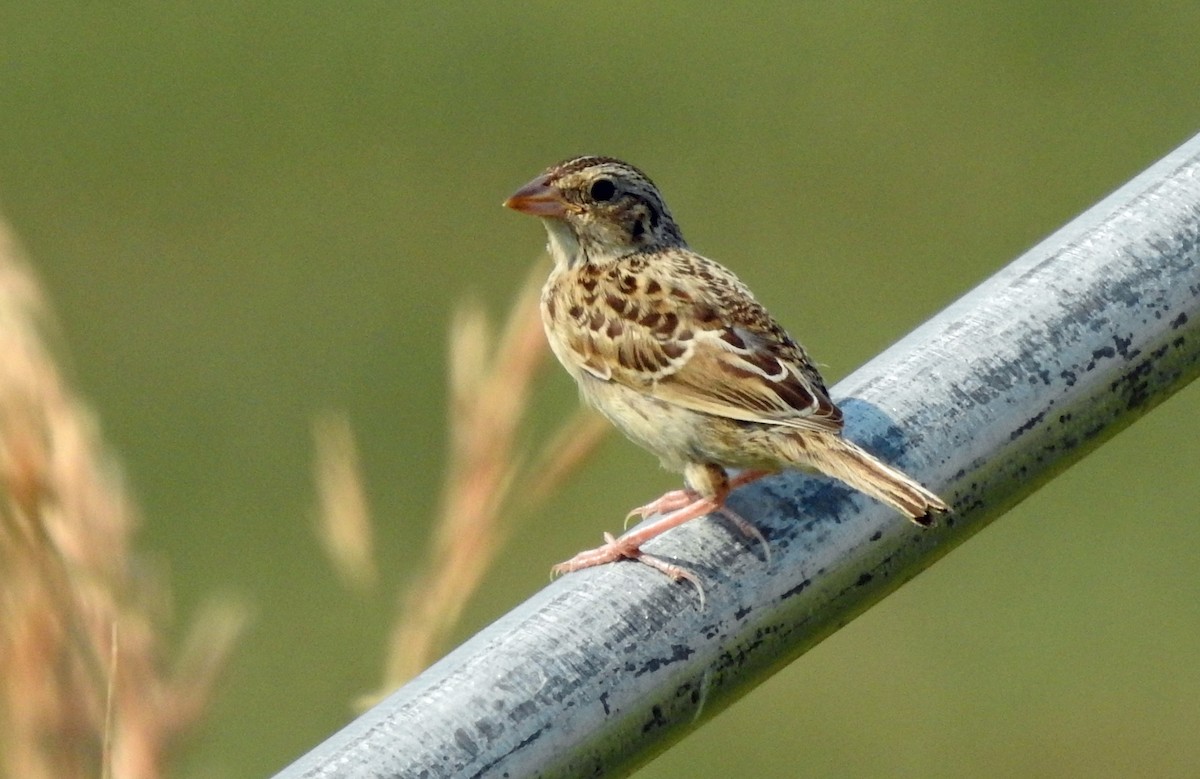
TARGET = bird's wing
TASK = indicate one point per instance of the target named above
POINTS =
(701, 343)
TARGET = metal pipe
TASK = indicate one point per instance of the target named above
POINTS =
(984, 403)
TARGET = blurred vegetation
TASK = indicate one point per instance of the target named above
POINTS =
(248, 215)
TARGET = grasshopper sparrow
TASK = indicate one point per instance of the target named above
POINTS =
(675, 351)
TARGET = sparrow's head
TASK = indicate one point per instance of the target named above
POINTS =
(597, 209)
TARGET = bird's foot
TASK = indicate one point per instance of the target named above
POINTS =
(678, 499)
(622, 548)
(671, 501)
(629, 545)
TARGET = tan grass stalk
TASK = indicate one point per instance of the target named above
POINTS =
(85, 690)
(491, 380)
(344, 520)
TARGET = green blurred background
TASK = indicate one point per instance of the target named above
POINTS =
(248, 213)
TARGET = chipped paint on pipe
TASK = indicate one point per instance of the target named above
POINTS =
(1004, 389)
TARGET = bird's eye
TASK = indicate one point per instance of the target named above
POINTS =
(603, 189)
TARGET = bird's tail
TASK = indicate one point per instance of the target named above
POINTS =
(843, 460)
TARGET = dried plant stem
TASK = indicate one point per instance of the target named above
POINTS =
(84, 685)
(344, 525)
(490, 385)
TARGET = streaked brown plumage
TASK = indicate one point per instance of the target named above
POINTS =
(675, 351)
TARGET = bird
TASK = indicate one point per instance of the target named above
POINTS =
(677, 353)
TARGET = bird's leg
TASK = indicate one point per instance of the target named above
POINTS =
(677, 499)
(703, 479)
(629, 545)
(670, 501)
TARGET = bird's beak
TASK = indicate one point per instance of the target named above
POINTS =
(538, 198)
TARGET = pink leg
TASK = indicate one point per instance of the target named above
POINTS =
(616, 549)
(677, 499)
(628, 546)
(686, 506)
(670, 501)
